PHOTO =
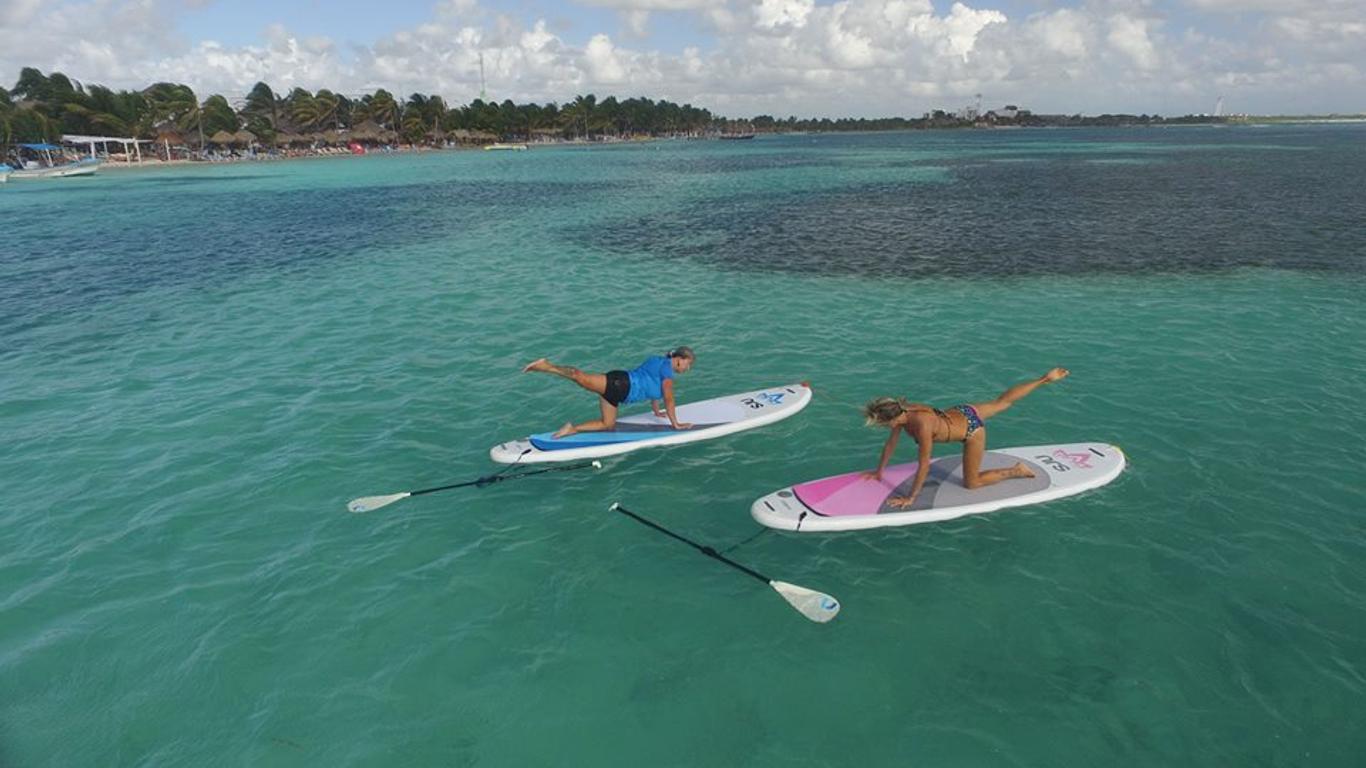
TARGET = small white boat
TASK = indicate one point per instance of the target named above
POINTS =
(46, 166)
(509, 147)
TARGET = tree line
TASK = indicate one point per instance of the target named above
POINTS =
(43, 107)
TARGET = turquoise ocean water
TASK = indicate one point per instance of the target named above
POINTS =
(200, 366)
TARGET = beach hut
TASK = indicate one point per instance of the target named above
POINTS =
(331, 138)
(169, 139)
(244, 138)
(368, 131)
(223, 139)
(466, 136)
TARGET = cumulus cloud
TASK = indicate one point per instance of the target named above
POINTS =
(861, 57)
(772, 14)
(1129, 36)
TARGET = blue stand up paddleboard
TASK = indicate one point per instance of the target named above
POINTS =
(709, 418)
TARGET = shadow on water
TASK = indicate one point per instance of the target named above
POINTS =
(179, 181)
(207, 236)
(1072, 215)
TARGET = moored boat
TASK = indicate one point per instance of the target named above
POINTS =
(508, 147)
(45, 166)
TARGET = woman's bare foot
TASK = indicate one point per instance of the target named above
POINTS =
(1056, 374)
(568, 429)
(1021, 470)
(536, 365)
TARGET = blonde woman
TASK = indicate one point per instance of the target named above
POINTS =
(964, 423)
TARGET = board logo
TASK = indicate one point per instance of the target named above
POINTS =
(1078, 460)
(762, 399)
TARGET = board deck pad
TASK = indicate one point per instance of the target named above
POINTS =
(623, 433)
(850, 501)
(710, 419)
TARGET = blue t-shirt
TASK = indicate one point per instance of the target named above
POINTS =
(647, 379)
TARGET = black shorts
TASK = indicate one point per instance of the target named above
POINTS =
(618, 387)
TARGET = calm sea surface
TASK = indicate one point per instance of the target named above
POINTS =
(200, 366)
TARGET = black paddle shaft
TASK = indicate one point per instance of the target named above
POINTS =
(499, 477)
(708, 551)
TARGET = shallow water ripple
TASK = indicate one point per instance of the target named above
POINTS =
(189, 408)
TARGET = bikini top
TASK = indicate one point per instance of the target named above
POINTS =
(948, 425)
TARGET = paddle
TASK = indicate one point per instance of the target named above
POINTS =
(816, 606)
(369, 503)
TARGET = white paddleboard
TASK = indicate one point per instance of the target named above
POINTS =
(849, 502)
(709, 418)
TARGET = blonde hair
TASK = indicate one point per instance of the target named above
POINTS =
(880, 411)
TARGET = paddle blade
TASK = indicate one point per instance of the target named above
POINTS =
(367, 503)
(817, 606)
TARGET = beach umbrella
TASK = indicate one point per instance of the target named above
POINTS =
(331, 137)
(223, 139)
(244, 137)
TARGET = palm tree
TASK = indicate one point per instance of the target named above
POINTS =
(383, 109)
(328, 106)
(262, 112)
(303, 108)
(218, 115)
(176, 103)
(414, 128)
(579, 113)
(6, 123)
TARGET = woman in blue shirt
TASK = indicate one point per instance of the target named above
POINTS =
(652, 380)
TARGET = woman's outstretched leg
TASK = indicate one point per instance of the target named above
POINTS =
(1007, 398)
(973, 477)
(593, 382)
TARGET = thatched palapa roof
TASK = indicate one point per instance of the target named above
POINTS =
(367, 131)
(223, 138)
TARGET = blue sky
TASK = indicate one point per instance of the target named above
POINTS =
(737, 57)
(241, 23)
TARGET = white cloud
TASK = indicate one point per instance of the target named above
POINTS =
(655, 5)
(1129, 36)
(771, 14)
(637, 22)
(1064, 32)
(602, 62)
(779, 56)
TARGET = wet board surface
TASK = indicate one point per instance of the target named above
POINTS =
(710, 419)
(851, 502)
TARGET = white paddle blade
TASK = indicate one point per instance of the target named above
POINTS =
(367, 503)
(817, 606)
